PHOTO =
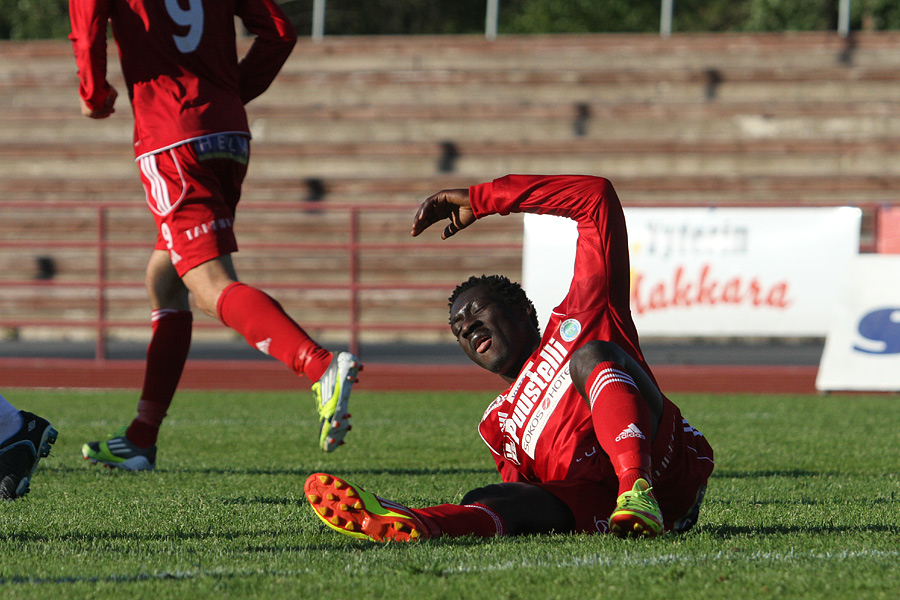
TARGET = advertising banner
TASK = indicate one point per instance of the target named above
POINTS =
(746, 272)
(862, 350)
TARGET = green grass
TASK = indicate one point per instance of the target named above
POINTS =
(804, 503)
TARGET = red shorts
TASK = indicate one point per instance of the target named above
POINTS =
(682, 463)
(193, 191)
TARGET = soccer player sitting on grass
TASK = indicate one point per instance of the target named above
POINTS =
(583, 437)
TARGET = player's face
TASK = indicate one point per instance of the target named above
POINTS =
(494, 336)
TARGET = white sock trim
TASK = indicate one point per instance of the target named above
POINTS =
(498, 522)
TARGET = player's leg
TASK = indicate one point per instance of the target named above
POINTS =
(265, 325)
(258, 317)
(10, 419)
(25, 438)
(172, 323)
(501, 509)
(194, 197)
(134, 448)
(525, 508)
(626, 407)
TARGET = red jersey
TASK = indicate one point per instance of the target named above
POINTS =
(540, 428)
(180, 64)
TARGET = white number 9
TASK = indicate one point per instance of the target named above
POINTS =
(167, 235)
(191, 18)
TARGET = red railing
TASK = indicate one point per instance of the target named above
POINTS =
(352, 246)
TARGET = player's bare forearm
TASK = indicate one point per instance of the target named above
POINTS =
(450, 204)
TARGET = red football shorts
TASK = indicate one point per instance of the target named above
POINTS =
(193, 191)
(682, 463)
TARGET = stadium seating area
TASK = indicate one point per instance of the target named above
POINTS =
(795, 119)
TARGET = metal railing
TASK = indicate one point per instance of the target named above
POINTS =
(352, 247)
(492, 17)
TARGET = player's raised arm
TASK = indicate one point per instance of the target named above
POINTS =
(448, 204)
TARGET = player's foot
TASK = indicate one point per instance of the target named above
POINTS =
(19, 455)
(332, 395)
(637, 513)
(350, 510)
(120, 453)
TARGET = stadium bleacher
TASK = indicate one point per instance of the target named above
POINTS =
(763, 119)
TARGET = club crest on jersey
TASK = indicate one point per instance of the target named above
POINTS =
(569, 329)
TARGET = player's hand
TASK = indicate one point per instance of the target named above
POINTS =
(448, 204)
(104, 111)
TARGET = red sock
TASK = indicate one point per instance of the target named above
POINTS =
(456, 520)
(621, 421)
(266, 327)
(166, 355)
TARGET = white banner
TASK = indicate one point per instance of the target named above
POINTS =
(862, 350)
(712, 271)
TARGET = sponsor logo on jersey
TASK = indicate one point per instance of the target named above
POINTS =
(493, 405)
(546, 381)
(538, 421)
(569, 329)
(223, 145)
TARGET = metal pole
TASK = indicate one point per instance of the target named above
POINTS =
(100, 345)
(354, 281)
(844, 18)
(665, 17)
(490, 19)
(318, 20)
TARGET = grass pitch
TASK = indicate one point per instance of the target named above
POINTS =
(804, 503)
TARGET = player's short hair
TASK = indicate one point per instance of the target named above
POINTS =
(499, 286)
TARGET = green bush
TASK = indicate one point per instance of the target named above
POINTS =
(34, 19)
(41, 19)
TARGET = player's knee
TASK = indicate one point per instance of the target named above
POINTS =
(165, 293)
(478, 495)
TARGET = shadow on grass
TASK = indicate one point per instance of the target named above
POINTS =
(301, 471)
(133, 578)
(788, 473)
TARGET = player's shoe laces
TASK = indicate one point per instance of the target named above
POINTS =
(332, 395)
(637, 513)
(350, 510)
(19, 455)
(120, 453)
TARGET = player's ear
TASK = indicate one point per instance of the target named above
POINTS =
(526, 311)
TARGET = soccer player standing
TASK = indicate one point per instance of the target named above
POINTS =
(192, 146)
(583, 438)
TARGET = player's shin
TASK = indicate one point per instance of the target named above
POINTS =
(622, 423)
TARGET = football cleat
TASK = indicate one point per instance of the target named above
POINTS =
(637, 513)
(332, 396)
(119, 452)
(19, 455)
(350, 510)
